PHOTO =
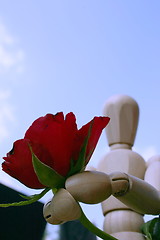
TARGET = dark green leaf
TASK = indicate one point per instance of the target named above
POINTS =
(152, 229)
(156, 229)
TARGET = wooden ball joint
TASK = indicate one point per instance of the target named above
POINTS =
(61, 208)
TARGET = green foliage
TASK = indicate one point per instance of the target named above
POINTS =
(151, 229)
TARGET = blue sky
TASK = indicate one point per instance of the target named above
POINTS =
(72, 56)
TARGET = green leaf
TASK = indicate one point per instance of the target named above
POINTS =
(145, 230)
(31, 199)
(46, 175)
(156, 229)
(152, 229)
(26, 197)
(80, 163)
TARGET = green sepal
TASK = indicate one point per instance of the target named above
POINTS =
(31, 199)
(80, 164)
(46, 175)
(152, 229)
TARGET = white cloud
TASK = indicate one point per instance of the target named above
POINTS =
(11, 56)
(147, 152)
(11, 62)
(5, 37)
(6, 114)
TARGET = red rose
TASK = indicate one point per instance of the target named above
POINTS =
(56, 142)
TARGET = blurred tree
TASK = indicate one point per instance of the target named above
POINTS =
(74, 230)
(17, 223)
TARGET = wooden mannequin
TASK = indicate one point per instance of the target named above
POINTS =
(126, 189)
(120, 219)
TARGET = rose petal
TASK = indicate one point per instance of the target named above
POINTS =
(57, 135)
(18, 163)
(96, 125)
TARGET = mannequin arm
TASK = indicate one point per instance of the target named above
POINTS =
(140, 196)
(93, 187)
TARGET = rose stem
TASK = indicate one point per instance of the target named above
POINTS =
(92, 228)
